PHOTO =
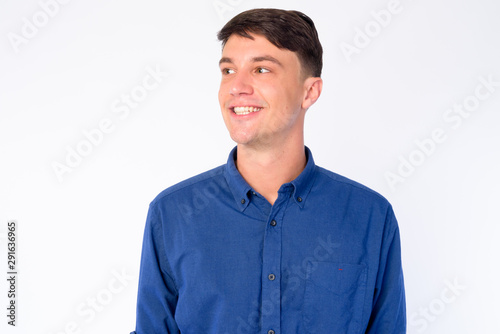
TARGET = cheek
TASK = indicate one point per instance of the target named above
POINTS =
(221, 95)
(224, 89)
(269, 95)
(291, 105)
(285, 100)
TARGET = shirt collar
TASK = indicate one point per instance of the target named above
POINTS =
(304, 182)
(240, 188)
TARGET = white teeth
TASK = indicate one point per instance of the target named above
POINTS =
(245, 110)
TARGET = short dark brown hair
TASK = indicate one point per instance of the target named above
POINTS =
(286, 29)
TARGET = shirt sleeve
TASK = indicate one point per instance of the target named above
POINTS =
(157, 293)
(389, 307)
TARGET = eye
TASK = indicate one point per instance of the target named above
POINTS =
(262, 70)
(226, 71)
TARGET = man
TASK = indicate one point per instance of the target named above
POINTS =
(270, 242)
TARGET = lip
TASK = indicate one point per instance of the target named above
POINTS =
(232, 106)
(234, 114)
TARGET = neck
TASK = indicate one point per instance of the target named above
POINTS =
(266, 169)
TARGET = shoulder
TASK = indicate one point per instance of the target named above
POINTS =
(355, 200)
(189, 185)
(344, 185)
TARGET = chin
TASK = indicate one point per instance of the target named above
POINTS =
(240, 139)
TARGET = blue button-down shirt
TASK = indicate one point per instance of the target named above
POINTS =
(218, 258)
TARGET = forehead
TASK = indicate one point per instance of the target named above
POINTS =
(243, 48)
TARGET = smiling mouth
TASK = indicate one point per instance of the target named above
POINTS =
(245, 110)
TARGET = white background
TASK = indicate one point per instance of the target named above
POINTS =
(78, 232)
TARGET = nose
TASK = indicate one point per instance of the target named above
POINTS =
(240, 84)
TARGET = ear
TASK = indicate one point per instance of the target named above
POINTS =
(313, 87)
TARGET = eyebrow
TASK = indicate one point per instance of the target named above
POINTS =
(254, 59)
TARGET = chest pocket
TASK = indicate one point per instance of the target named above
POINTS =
(334, 297)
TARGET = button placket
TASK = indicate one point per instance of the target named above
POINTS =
(271, 282)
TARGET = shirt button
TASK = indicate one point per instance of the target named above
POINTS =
(273, 222)
(299, 199)
(270, 331)
(271, 277)
(243, 201)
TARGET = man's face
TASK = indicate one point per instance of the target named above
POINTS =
(261, 92)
